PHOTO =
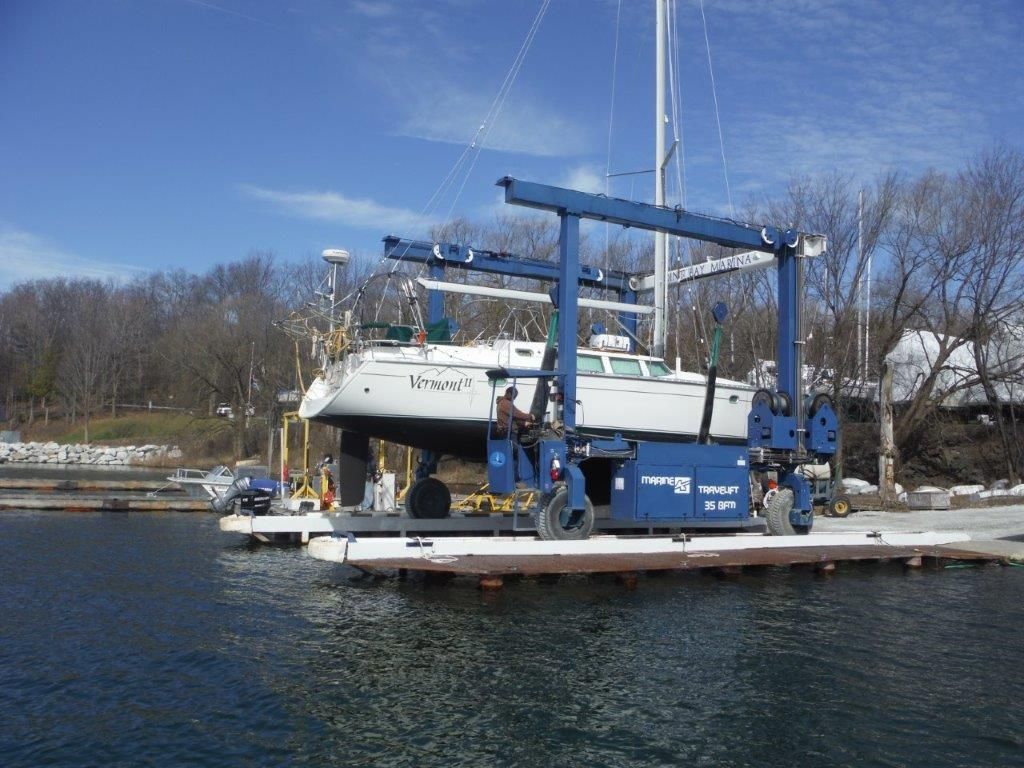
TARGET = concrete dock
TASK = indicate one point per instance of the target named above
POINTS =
(282, 528)
(981, 523)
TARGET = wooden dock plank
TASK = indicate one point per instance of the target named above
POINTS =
(535, 565)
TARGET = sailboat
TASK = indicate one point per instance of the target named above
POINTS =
(436, 396)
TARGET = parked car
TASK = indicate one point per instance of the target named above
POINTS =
(224, 409)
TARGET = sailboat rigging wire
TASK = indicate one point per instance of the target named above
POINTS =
(718, 119)
(675, 91)
(472, 149)
(499, 101)
(476, 142)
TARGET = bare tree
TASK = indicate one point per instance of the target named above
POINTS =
(994, 191)
(84, 373)
(227, 347)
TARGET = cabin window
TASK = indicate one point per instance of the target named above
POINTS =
(589, 364)
(524, 352)
(658, 368)
(625, 367)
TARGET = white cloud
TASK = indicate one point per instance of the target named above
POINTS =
(438, 80)
(869, 86)
(25, 256)
(585, 178)
(448, 113)
(373, 10)
(333, 206)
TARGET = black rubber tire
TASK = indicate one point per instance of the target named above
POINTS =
(764, 397)
(552, 525)
(784, 404)
(410, 498)
(777, 515)
(428, 499)
(839, 506)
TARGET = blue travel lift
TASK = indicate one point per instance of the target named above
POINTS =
(688, 485)
(440, 257)
(353, 451)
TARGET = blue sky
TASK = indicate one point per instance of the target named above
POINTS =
(157, 134)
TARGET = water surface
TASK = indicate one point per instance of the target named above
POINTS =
(157, 640)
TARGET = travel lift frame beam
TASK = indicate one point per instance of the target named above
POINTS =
(440, 256)
(777, 438)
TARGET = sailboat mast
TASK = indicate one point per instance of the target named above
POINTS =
(660, 258)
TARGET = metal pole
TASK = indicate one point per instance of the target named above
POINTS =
(568, 247)
(252, 362)
(334, 288)
(867, 297)
(660, 266)
(860, 283)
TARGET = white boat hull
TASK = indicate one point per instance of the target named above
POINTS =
(439, 398)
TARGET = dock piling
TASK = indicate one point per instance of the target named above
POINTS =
(491, 583)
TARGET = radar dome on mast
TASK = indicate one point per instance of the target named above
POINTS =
(335, 256)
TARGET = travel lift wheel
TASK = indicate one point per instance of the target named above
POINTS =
(776, 514)
(556, 522)
(839, 506)
(778, 403)
(428, 499)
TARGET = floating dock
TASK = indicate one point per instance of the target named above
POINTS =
(88, 495)
(491, 559)
(303, 528)
(59, 486)
(67, 503)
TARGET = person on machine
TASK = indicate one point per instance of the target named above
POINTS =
(508, 415)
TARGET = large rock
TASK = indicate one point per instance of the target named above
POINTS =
(55, 453)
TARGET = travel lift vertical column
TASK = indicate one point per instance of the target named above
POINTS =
(439, 256)
(785, 435)
(568, 315)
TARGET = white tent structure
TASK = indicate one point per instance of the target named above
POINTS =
(957, 385)
(914, 357)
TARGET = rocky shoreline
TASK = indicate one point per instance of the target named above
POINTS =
(96, 455)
